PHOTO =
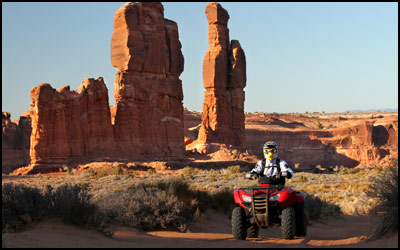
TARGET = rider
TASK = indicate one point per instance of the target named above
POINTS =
(271, 170)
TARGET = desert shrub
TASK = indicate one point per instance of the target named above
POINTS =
(118, 170)
(223, 200)
(22, 205)
(146, 207)
(302, 178)
(151, 171)
(234, 169)
(72, 204)
(317, 208)
(190, 172)
(347, 171)
(384, 188)
(175, 187)
(213, 178)
(194, 199)
(313, 205)
(103, 174)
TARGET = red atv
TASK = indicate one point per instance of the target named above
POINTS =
(268, 205)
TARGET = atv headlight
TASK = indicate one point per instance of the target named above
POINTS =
(246, 198)
(274, 197)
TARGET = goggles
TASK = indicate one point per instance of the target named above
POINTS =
(269, 150)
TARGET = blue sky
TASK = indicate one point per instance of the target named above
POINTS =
(301, 57)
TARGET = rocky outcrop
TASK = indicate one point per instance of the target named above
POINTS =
(15, 141)
(146, 51)
(224, 78)
(69, 125)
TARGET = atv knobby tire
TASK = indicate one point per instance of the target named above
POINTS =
(252, 230)
(288, 223)
(239, 221)
(301, 220)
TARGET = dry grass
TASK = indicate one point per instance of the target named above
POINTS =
(346, 188)
(198, 189)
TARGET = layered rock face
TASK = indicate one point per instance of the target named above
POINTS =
(362, 143)
(224, 78)
(15, 141)
(70, 124)
(146, 51)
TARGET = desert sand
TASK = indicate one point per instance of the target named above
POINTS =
(209, 231)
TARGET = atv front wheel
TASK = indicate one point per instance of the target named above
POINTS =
(252, 230)
(239, 228)
(288, 223)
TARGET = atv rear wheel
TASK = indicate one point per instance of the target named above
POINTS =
(239, 221)
(301, 220)
(288, 223)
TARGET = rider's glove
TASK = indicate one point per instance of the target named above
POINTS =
(284, 173)
(249, 176)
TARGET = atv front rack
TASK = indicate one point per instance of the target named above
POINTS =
(259, 204)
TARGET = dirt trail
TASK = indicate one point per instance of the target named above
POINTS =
(213, 231)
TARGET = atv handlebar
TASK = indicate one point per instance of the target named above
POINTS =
(277, 186)
(253, 176)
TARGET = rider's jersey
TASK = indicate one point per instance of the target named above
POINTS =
(270, 168)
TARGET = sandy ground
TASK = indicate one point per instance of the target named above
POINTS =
(210, 231)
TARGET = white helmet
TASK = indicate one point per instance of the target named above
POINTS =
(270, 150)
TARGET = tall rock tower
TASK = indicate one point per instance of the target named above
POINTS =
(224, 78)
(146, 51)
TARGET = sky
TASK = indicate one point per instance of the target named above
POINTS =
(300, 57)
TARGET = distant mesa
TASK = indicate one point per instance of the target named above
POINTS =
(372, 110)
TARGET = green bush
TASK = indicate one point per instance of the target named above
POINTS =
(385, 188)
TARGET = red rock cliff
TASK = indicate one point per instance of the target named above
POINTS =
(224, 77)
(68, 125)
(15, 142)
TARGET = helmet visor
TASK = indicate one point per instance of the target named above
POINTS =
(269, 150)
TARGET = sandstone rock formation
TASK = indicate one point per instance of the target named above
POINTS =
(70, 124)
(15, 141)
(147, 120)
(146, 51)
(224, 78)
